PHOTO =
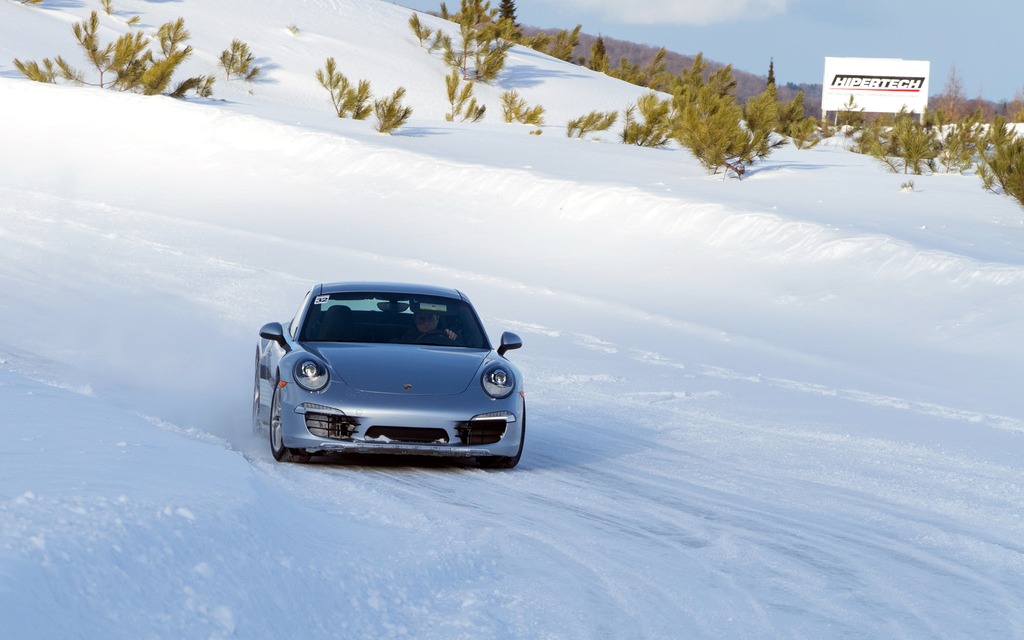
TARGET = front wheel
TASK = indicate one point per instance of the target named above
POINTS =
(257, 426)
(506, 462)
(280, 452)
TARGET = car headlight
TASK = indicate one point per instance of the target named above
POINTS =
(498, 382)
(311, 375)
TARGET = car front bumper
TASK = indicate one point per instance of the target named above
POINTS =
(446, 426)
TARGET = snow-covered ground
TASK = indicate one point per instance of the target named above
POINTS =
(782, 407)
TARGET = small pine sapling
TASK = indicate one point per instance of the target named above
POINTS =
(960, 143)
(464, 105)
(421, 31)
(1002, 162)
(101, 57)
(348, 101)
(709, 125)
(902, 146)
(390, 112)
(805, 133)
(515, 109)
(593, 121)
(653, 127)
(238, 61)
(564, 44)
(761, 114)
(157, 76)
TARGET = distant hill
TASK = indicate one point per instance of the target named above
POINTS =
(747, 84)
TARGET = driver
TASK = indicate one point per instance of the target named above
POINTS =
(425, 325)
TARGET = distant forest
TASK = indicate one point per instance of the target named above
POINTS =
(748, 84)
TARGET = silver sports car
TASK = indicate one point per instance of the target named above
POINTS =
(388, 368)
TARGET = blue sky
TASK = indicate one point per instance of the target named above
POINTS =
(980, 38)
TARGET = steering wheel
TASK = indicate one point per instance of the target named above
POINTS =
(434, 333)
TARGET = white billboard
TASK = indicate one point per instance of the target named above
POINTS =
(877, 85)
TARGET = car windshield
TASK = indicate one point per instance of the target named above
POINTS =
(392, 318)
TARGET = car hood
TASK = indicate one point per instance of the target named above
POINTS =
(404, 369)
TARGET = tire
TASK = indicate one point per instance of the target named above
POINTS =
(505, 462)
(280, 452)
(257, 426)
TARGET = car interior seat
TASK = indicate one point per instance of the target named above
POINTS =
(337, 325)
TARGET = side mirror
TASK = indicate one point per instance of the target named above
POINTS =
(509, 341)
(274, 332)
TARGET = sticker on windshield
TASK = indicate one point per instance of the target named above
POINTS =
(322, 300)
(431, 306)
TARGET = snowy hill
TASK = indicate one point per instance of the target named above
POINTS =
(780, 407)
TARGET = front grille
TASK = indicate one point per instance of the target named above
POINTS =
(486, 431)
(336, 427)
(408, 434)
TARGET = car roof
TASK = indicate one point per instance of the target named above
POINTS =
(389, 287)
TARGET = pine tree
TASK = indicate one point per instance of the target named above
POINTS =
(507, 10)
(593, 121)
(708, 121)
(464, 105)
(791, 114)
(770, 84)
(806, 133)
(652, 75)
(653, 128)
(128, 59)
(171, 36)
(515, 109)
(507, 17)
(538, 41)
(419, 30)
(1002, 163)
(761, 114)
(238, 61)
(803, 130)
(708, 124)
(851, 118)
(348, 101)
(598, 56)
(490, 58)
(564, 45)
(101, 57)
(390, 112)
(919, 145)
(960, 143)
(484, 42)
(902, 145)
